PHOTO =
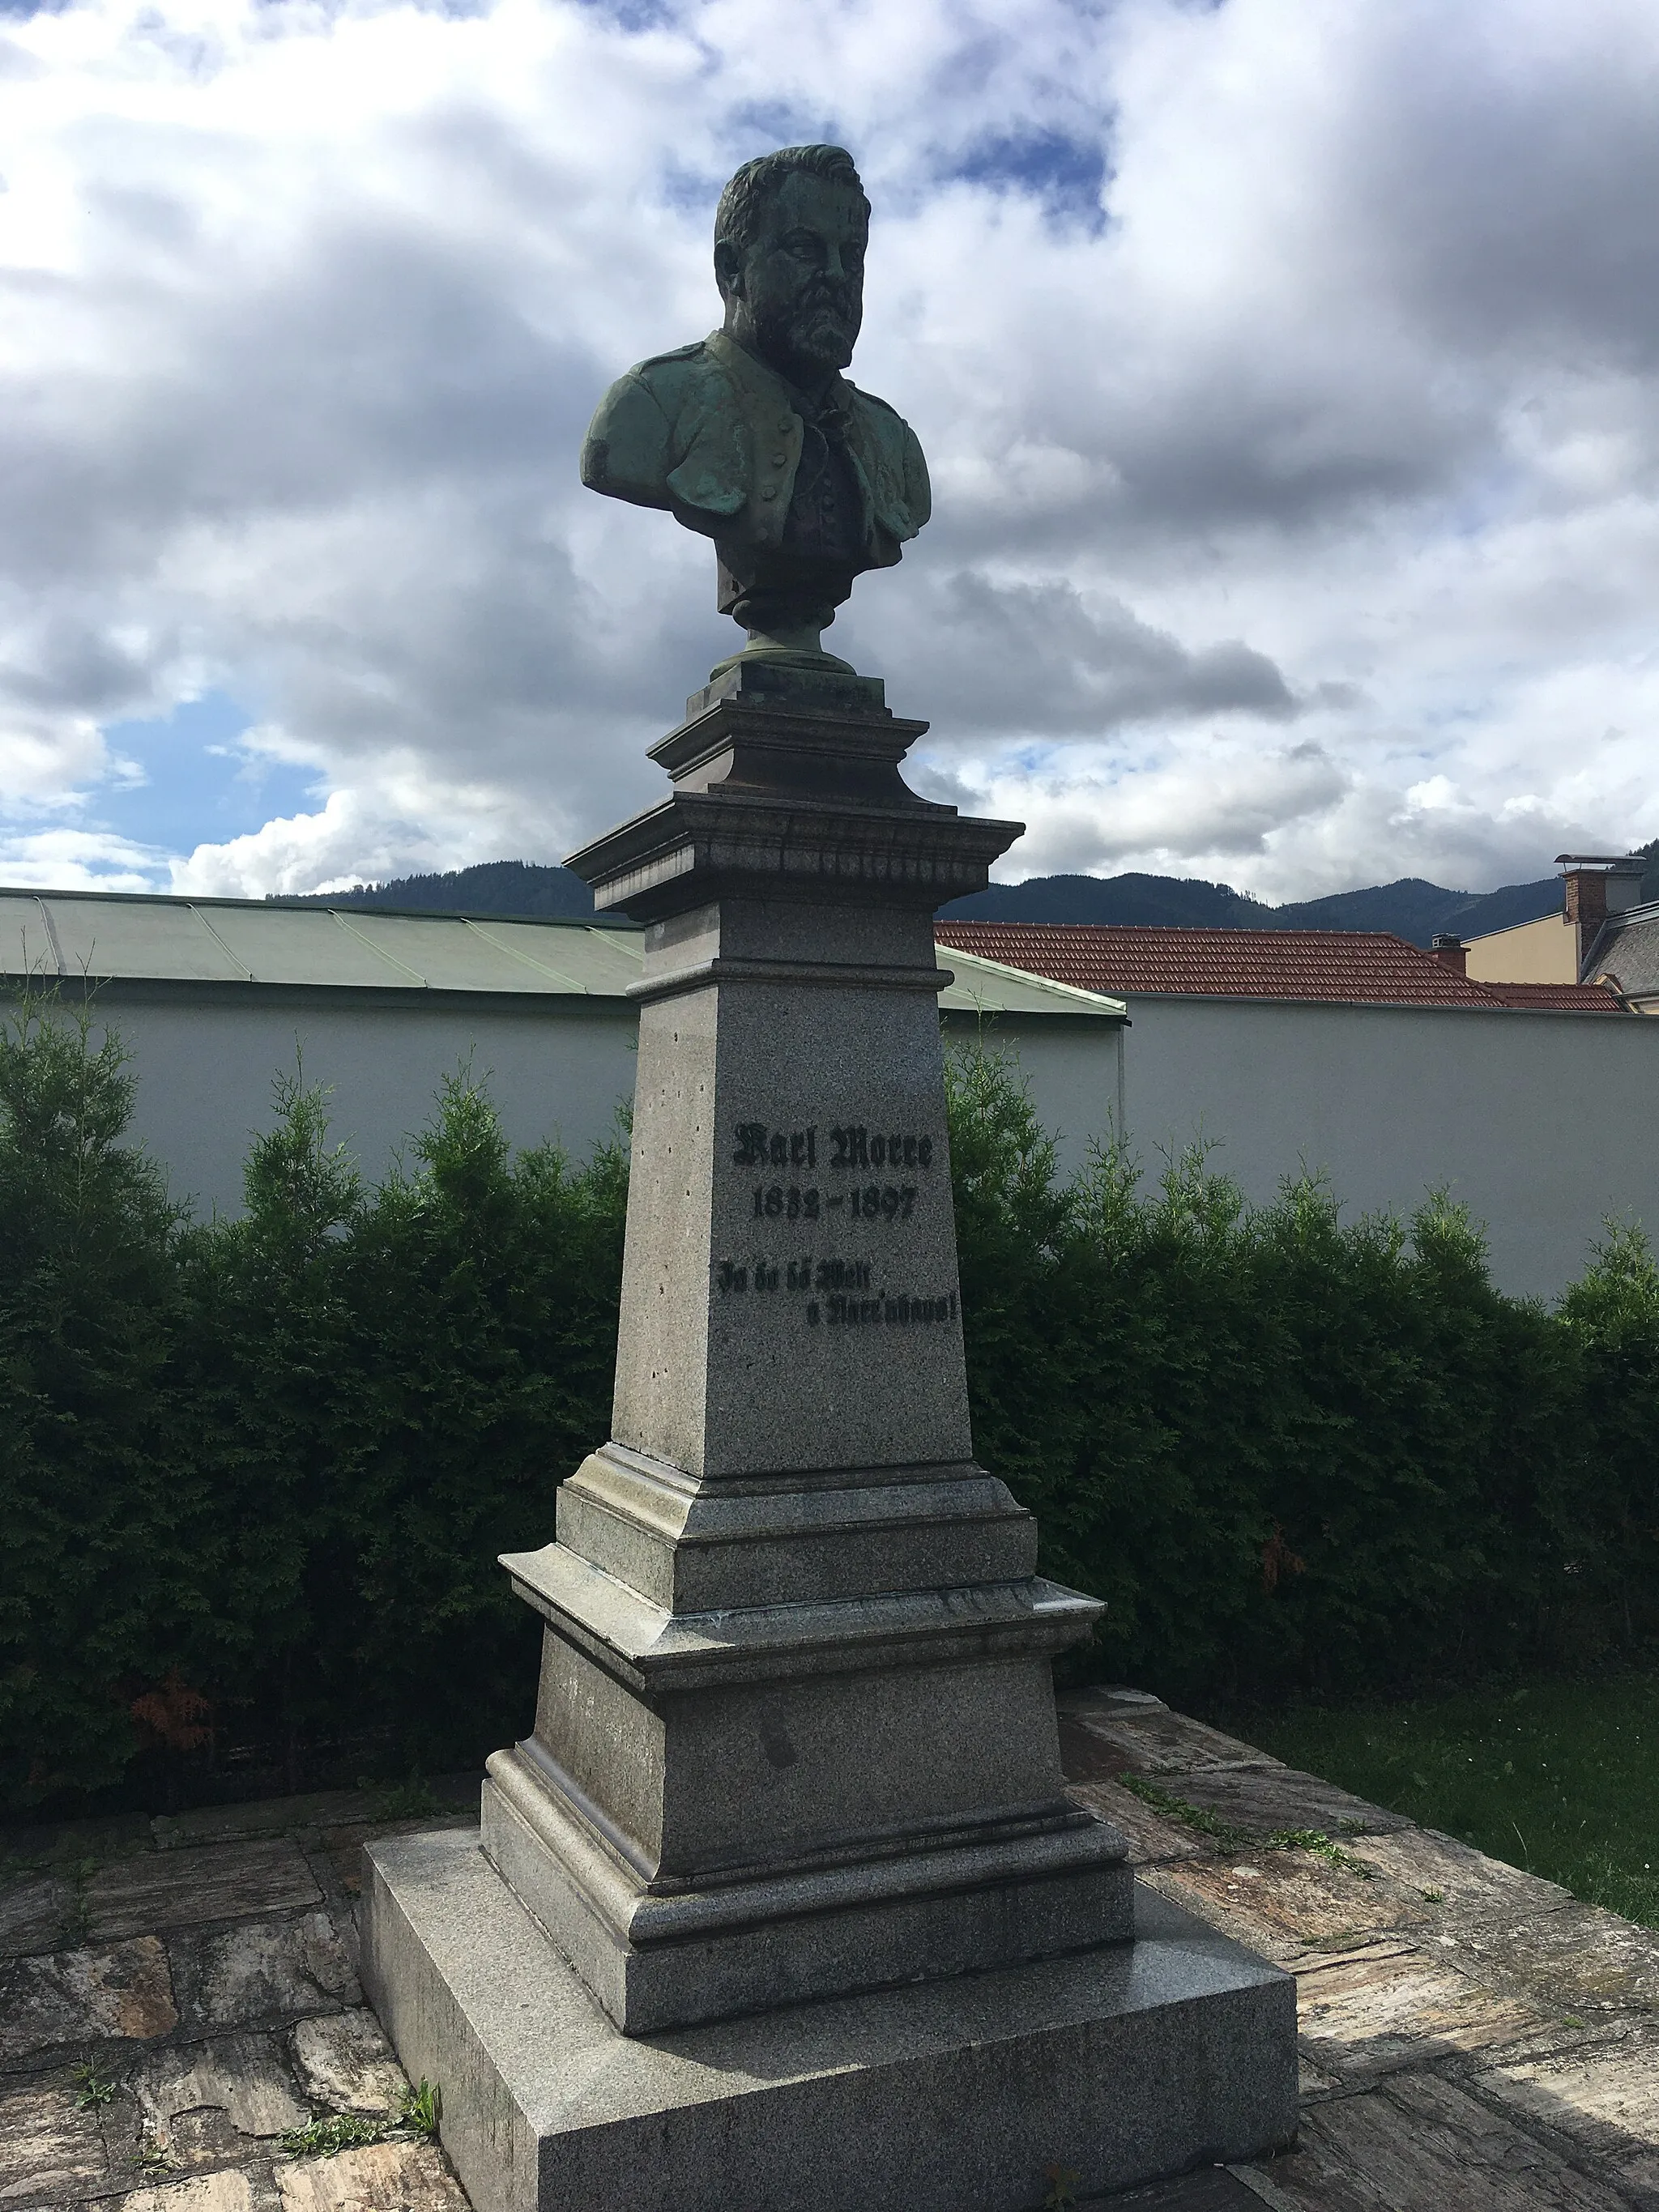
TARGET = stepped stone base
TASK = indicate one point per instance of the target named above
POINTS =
(1126, 2064)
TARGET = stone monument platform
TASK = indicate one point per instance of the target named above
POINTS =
(1122, 2062)
(782, 1903)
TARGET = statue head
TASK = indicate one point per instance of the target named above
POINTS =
(789, 241)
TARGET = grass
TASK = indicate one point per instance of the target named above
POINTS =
(419, 2112)
(1560, 1777)
(1227, 1836)
(92, 2090)
(413, 1800)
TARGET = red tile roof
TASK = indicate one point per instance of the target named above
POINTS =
(1559, 998)
(1345, 966)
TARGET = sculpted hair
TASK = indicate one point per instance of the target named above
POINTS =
(738, 218)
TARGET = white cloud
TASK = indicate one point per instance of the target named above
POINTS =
(1297, 513)
(76, 860)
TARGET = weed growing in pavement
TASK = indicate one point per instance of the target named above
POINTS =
(413, 1800)
(1227, 1836)
(336, 2131)
(1223, 1833)
(424, 2108)
(1319, 1846)
(94, 2090)
(419, 2111)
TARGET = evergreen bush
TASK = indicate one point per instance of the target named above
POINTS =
(254, 1474)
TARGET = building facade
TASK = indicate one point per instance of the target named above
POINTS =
(217, 999)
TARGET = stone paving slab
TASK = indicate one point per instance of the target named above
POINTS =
(321, 1810)
(48, 2144)
(72, 1843)
(232, 2189)
(1216, 2189)
(1603, 2101)
(1427, 2144)
(1581, 1958)
(234, 2017)
(200, 2102)
(190, 1888)
(36, 1914)
(1143, 1736)
(1472, 1888)
(80, 1996)
(1152, 1839)
(261, 1970)
(1375, 2010)
(345, 2064)
(408, 2176)
(343, 1845)
(1263, 1801)
(1288, 1904)
(267, 1816)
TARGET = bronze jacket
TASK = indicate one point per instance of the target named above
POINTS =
(713, 434)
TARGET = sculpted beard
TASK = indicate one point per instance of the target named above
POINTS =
(821, 326)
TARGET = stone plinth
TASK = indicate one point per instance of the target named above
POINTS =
(795, 1742)
(1124, 2063)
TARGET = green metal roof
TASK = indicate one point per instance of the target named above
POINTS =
(132, 937)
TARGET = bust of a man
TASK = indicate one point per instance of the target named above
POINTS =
(753, 436)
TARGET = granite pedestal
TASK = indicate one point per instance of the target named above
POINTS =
(795, 1741)
(1123, 2063)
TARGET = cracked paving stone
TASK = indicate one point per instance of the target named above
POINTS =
(264, 1970)
(1372, 2011)
(380, 2178)
(230, 2190)
(344, 2062)
(207, 2101)
(78, 1997)
(49, 2145)
(1266, 1800)
(1604, 2100)
(1151, 1838)
(34, 1913)
(1574, 1958)
(1424, 2145)
(185, 1888)
(1473, 1887)
(1282, 1904)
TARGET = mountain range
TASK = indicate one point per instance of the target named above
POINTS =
(1410, 907)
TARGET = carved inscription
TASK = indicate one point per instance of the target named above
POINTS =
(832, 1175)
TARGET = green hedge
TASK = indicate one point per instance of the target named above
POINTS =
(254, 1474)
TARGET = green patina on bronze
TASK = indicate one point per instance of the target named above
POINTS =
(753, 436)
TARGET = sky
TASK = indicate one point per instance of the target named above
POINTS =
(1288, 372)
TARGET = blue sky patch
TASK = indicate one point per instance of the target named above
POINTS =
(1068, 174)
(199, 784)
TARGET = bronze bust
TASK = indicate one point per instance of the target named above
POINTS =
(753, 436)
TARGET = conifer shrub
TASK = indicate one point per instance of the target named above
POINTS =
(254, 1474)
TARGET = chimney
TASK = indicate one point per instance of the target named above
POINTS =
(1598, 886)
(1451, 952)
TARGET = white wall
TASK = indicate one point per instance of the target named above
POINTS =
(1542, 1124)
(206, 1058)
(1072, 1063)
